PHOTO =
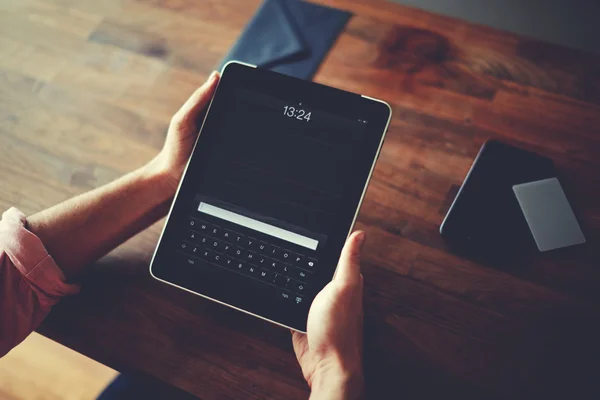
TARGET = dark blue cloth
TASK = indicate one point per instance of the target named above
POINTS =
(289, 36)
(137, 386)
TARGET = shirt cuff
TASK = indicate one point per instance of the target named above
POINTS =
(30, 258)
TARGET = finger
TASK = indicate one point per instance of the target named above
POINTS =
(186, 117)
(299, 343)
(297, 337)
(348, 270)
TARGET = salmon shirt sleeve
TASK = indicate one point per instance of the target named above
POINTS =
(30, 281)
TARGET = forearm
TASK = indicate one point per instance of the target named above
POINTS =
(84, 228)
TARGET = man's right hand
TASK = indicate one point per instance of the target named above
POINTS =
(330, 353)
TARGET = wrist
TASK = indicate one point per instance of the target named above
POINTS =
(333, 381)
(159, 174)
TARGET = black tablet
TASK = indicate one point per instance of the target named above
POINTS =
(270, 193)
(485, 218)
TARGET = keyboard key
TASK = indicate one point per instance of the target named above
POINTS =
(285, 296)
(275, 252)
(309, 263)
(261, 261)
(251, 257)
(228, 249)
(184, 246)
(298, 260)
(218, 259)
(239, 266)
(298, 299)
(195, 250)
(201, 226)
(285, 269)
(206, 254)
(300, 274)
(228, 262)
(192, 223)
(204, 240)
(215, 231)
(267, 275)
(239, 253)
(227, 235)
(274, 265)
(252, 270)
(254, 246)
(262, 247)
(190, 261)
(250, 243)
(238, 239)
(193, 237)
(214, 245)
(281, 280)
(296, 286)
(286, 255)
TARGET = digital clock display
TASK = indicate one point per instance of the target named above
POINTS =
(298, 113)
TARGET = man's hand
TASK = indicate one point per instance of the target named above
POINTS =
(330, 354)
(183, 131)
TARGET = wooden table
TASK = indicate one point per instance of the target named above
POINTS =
(87, 89)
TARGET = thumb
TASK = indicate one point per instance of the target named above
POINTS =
(348, 270)
(184, 120)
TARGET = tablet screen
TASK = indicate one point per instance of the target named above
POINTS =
(270, 193)
(281, 163)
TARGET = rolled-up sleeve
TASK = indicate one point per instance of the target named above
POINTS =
(30, 281)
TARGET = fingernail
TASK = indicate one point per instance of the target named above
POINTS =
(360, 239)
(212, 76)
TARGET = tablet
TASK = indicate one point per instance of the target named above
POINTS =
(485, 218)
(270, 193)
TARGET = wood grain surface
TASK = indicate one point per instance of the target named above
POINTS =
(42, 369)
(86, 92)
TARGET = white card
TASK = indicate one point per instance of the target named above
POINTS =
(548, 214)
